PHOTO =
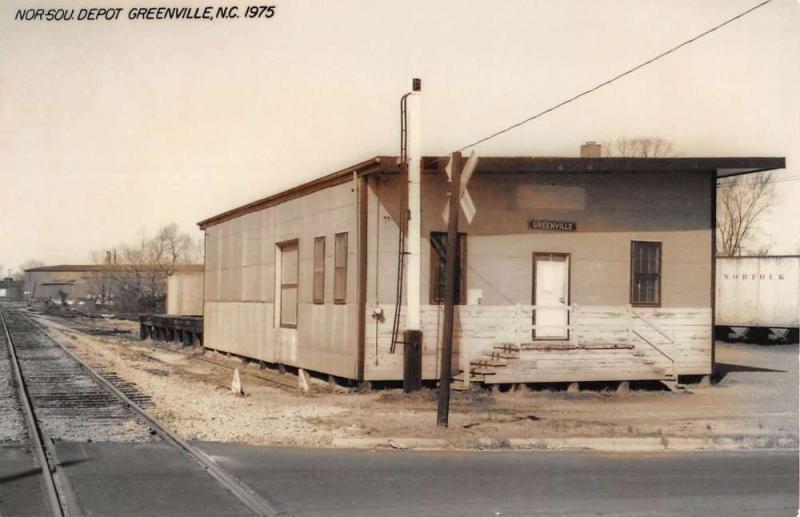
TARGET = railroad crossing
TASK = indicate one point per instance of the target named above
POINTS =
(58, 412)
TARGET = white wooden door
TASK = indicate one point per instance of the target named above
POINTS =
(551, 296)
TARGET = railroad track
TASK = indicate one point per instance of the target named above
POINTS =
(59, 395)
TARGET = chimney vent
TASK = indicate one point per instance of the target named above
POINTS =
(591, 150)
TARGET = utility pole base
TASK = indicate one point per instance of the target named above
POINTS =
(412, 360)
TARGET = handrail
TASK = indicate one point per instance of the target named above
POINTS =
(655, 347)
(652, 345)
(653, 326)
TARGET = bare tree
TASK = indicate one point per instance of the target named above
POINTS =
(135, 274)
(639, 147)
(19, 274)
(740, 202)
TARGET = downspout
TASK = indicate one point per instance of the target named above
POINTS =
(713, 184)
(205, 275)
(360, 187)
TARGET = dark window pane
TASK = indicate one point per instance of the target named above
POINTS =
(288, 284)
(340, 269)
(319, 270)
(439, 264)
(645, 273)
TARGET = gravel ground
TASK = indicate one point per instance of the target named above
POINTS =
(756, 397)
(192, 398)
(70, 405)
(12, 425)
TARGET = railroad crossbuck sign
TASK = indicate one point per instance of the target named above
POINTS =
(466, 200)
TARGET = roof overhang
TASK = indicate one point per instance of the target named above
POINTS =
(722, 167)
(103, 268)
(521, 164)
(327, 181)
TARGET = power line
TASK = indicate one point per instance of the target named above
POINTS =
(772, 182)
(773, 175)
(617, 77)
(725, 180)
(729, 184)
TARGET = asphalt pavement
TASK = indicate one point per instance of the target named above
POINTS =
(117, 480)
(151, 479)
(21, 489)
(390, 482)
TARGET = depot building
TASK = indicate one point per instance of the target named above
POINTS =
(572, 269)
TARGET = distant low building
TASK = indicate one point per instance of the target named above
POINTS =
(92, 284)
(185, 293)
(11, 290)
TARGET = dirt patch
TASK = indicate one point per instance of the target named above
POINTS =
(756, 396)
(157, 372)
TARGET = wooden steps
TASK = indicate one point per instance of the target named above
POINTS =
(673, 385)
(507, 348)
(541, 362)
(566, 345)
(458, 383)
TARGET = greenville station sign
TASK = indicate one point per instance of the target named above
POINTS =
(553, 226)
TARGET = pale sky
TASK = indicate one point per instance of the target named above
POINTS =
(109, 128)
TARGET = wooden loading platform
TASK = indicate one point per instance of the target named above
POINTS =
(187, 330)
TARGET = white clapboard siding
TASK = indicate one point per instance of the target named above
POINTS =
(478, 329)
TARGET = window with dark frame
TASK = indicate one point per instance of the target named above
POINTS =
(645, 273)
(289, 284)
(319, 270)
(438, 264)
(340, 268)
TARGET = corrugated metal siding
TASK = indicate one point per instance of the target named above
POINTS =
(240, 293)
(185, 294)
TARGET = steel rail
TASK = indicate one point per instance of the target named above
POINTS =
(249, 497)
(292, 386)
(55, 488)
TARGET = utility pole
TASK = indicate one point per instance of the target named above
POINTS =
(443, 410)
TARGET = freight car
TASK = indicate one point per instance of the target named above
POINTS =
(758, 298)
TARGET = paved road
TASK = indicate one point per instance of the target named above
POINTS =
(352, 483)
(117, 480)
(142, 479)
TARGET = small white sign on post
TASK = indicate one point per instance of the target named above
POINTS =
(467, 205)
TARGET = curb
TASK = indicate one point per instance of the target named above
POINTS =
(391, 443)
(608, 444)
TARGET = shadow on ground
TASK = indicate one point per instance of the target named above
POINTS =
(723, 369)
